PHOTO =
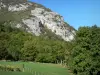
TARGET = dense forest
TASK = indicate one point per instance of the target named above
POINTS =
(16, 44)
(82, 54)
(85, 55)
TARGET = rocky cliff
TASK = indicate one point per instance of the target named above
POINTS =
(34, 18)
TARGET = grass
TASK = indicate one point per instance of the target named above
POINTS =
(39, 68)
(14, 73)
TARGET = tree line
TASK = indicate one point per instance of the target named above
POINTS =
(16, 44)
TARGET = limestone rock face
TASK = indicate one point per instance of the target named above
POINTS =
(34, 18)
(33, 25)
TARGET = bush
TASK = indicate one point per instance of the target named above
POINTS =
(9, 68)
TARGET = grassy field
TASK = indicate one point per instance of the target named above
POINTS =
(36, 69)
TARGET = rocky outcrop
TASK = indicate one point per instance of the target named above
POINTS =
(36, 17)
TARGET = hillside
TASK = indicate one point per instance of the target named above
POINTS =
(35, 18)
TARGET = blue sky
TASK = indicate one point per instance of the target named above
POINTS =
(75, 12)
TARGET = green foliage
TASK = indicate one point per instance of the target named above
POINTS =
(15, 44)
(9, 68)
(18, 45)
(29, 51)
(85, 54)
(4, 37)
(3, 49)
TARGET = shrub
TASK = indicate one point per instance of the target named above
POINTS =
(9, 68)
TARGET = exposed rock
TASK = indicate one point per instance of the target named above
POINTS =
(37, 17)
(34, 25)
